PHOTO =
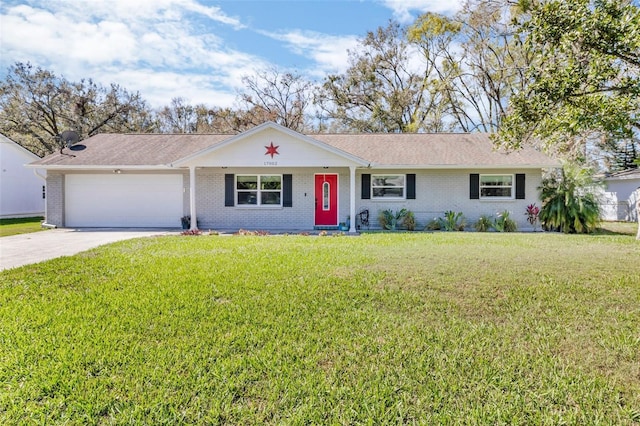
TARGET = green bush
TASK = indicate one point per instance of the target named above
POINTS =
(503, 223)
(390, 220)
(409, 221)
(568, 202)
(484, 224)
(452, 221)
(433, 225)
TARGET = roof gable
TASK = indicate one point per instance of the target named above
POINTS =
(271, 144)
(18, 149)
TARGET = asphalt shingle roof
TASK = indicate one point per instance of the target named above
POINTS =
(432, 149)
(388, 149)
(121, 149)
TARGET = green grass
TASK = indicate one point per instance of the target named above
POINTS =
(441, 328)
(620, 228)
(23, 225)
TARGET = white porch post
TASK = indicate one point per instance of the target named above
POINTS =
(192, 197)
(352, 198)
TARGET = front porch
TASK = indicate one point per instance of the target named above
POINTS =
(215, 198)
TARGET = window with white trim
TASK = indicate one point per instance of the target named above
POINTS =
(259, 190)
(496, 186)
(388, 186)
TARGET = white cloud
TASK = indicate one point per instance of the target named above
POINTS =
(158, 88)
(138, 44)
(140, 10)
(402, 8)
(330, 53)
(162, 48)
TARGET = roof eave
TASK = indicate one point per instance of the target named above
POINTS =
(464, 166)
(99, 167)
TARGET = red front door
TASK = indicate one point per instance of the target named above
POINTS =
(326, 200)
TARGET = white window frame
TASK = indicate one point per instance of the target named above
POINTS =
(259, 191)
(498, 197)
(373, 186)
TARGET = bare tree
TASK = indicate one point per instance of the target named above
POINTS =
(178, 117)
(272, 95)
(36, 106)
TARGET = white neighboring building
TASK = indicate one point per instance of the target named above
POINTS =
(621, 195)
(21, 191)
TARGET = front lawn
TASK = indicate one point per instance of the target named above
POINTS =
(22, 225)
(621, 228)
(439, 328)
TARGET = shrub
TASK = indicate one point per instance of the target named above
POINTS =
(532, 213)
(503, 223)
(409, 221)
(484, 224)
(433, 225)
(452, 221)
(390, 220)
(568, 202)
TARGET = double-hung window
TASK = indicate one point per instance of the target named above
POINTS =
(388, 186)
(259, 190)
(496, 187)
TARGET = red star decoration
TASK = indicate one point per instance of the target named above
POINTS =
(272, 150)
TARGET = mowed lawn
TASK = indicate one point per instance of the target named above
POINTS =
(23, 225)
(426, 328)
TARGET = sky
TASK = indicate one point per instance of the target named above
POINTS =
(198, 50)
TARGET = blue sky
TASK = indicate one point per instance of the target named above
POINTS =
(195, 49)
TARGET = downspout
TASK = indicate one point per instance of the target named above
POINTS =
(46, 200)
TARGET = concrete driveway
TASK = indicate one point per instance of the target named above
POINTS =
(23, 249)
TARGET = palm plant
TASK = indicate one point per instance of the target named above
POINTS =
(452, 221)
(504, 223)
(568, 201)
(483, 224)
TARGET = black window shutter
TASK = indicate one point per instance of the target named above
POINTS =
(411, 186)
(474, 186)
(287, 191)
(366, 187)
(229, 193)
(520, 180)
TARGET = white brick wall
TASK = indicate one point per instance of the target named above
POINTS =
(212, 213)
(440, 190)
(55, 198)
(436, 192)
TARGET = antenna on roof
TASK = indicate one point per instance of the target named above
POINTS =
(67, 139)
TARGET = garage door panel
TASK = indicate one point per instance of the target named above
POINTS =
(123, 200)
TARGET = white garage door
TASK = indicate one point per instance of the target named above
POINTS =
(123, 200)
